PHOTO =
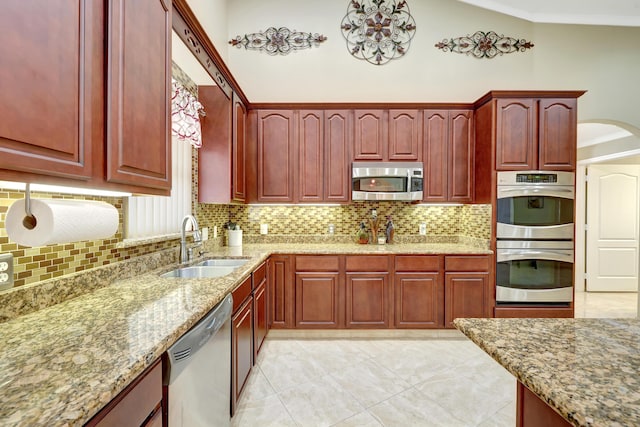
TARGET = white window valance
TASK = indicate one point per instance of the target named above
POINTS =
(185, 115)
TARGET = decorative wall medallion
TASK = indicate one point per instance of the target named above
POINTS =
(278, 41)
(484, 45)
(378, 30)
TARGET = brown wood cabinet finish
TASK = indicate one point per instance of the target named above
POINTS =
(448, 156)
(338, 134)
(281, 292)
(138, 86)
(465, 295)
(516, 134)
(238, 156)
(311, 156)
(371, 135)
(241, 349)
(367, 300)
(276, 155)
(419, 300)
(557, 134)
(139, 404)
(57, 134)
(214, 157)
(544, 312)
(318, 301)
(531, 411)
(260, 315)
(405, 135)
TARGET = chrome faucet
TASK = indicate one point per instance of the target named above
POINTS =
(186, 254)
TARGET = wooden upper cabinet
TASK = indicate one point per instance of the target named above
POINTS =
(238, 158)
(461, 157)
(405, 135)
(311, 156)
(436, 147)
(557, 134)
(516, 134)
(338, 134)
(138, 93)
(276, 155)
(51, 106)
(448, 156)
(371, 135)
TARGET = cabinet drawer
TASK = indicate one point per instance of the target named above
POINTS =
(417, 263)
(259, 274)
(241, 293)
(368, 263)
(317, 263)
(467, 263)
(135, 403)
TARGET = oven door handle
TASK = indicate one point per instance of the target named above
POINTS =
(565, 193)
(517, 255)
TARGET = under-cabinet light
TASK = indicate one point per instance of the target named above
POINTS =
(9, 185)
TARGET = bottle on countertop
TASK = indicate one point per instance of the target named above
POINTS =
(390, 230)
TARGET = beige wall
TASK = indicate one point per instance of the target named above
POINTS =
(602, 60)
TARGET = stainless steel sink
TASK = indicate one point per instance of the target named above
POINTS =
(224, 262)
(199, 272)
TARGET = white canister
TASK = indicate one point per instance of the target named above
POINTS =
(235, 237)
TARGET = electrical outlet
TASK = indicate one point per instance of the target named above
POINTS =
(6, 271)
(205, 233)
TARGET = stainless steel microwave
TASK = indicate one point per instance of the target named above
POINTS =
(401, 181)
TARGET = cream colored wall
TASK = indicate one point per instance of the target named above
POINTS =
(602, 60)
(212, 15)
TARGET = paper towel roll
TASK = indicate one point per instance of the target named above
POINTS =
(61, 221)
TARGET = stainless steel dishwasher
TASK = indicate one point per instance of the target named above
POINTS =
(198, 373)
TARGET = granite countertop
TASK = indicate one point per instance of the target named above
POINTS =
(586, 369)
(61, 364)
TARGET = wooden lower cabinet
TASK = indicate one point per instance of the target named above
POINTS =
(468, 287)
(241, 350)
(367, 300)
(545, 312)
(318, 300)
(419, 300)
(140, 404)
(260, 313)
(281, 292)
(531, 411)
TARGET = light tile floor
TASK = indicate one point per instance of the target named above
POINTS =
(406, 382)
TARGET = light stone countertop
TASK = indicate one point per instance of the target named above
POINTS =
(61, 364)
(588, 370)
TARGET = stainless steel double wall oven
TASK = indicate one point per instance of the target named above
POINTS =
(535, 232)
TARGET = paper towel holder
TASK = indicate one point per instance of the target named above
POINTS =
(29, 220)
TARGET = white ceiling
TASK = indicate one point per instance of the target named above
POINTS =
(590, 12)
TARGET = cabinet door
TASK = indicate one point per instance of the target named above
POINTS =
(370, 139)
(461, 150)
(367, 300)
(276, 155)
(318, 300)
(557, 134)
(516, 134)
(465, 295)
(436, 147)
(51, 106)
(405, 135)
(338, 134)
(281, 298)
(241, 349)
(311, 161)
(238, 182)
(419, 300)
(259, 316)
(138, 93)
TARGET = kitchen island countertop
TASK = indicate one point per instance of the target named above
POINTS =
(60, 365)
(587, 370)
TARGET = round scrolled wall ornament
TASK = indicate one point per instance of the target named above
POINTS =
(378, 31)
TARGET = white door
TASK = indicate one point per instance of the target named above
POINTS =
(613, 200)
